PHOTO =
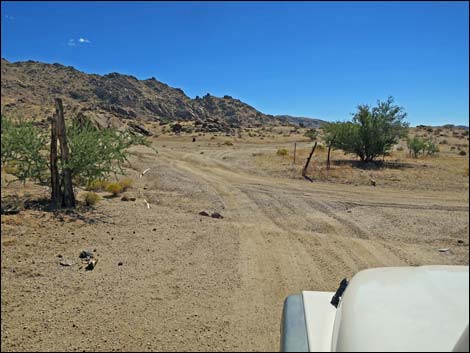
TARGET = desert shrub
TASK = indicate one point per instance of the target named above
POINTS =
(114, 188)
(416, 145)
(312, 134)
(431, 147)
(371, 133)
(188, 129)
(126, 183)
(176, 128)
(91, 198)
(281, 152)
(95, 154)
(97, 185)
(23, 148)
(443, 142)
(462, 153)
(452, 148)
(400, 148)
(228, 143)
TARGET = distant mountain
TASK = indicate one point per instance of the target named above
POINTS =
(301, 121)
(28, 89)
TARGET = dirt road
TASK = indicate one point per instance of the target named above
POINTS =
(190, 282)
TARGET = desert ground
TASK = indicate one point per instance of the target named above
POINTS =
(168, 278)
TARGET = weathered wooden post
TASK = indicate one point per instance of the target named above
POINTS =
(304, 171)
(68, 198)
(56, 197)
(295, 148)
(329, 150)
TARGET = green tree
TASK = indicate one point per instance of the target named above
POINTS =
(371, 133)
(94, 154)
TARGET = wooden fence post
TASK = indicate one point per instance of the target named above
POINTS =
(68, 198)
(295, 149)
(329, 150)
(304, 171)
(56, 195)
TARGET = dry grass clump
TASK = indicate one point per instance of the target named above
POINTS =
(114, 188)
(98, 185)
(126, 183)
(228, 143)
(91, 198)
(281, 152)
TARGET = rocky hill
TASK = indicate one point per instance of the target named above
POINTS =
(28, 89)
(300, 121)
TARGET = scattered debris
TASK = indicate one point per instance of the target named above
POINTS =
(91, 265)
(86, 254)
(66, 263)
(372, 182)
(10, 211)
(217, 215)
(204, 213)
(148, 205)
(443, 250)
(143, 173)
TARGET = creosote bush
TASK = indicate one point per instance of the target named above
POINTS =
(91, 198)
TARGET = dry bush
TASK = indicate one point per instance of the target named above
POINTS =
(98, 185)
(91, 198)
(281, 152)
(126, 183)
(228, 143)
(114, 188)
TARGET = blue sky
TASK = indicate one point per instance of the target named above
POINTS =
(315, 59)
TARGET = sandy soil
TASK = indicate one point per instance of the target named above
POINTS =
(189, 282)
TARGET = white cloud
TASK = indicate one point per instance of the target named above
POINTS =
(72, 42)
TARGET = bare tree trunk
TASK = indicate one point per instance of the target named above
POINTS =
(68, 198)
(304, 171)
(56, 195)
